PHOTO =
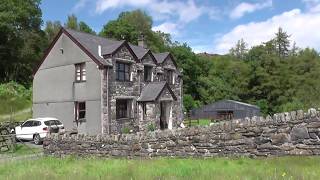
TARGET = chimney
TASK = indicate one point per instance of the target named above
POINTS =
(141, 41)
(99, 51)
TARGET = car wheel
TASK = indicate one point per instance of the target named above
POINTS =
(36, 139)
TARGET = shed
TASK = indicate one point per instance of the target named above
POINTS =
(225, 110)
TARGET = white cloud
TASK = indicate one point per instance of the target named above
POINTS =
(182, 12)
(79, 5)
(303, 28)
(312, 5)
(244, 8)
(103, 5)
(167, 27)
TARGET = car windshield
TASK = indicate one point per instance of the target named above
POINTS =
(52, 122)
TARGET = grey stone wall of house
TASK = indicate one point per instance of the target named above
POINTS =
(177, 89)
(123, 90)
(55, 90)
(292, 133)
(114, 90)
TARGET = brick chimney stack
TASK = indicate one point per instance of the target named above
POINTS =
(141, 41)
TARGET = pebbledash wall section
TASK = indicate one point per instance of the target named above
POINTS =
(294, 133)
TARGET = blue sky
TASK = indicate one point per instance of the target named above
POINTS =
(211, 26)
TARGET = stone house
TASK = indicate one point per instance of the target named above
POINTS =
(98, 85)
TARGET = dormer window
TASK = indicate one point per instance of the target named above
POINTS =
(170, 77)
(81, 75)
(147, 73)
(123, 71)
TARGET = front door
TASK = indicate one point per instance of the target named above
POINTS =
(163, 115)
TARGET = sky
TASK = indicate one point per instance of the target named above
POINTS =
(212, 26)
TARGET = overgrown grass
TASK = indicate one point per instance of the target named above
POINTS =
(216, 168)
(14, 97)
(15, 102)
(22, 149)
(17, 117)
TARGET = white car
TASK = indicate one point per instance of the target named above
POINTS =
(37, 129)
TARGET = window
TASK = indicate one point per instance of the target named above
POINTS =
(144, 108)
(147, 73)
(27, 124)
(52, 122)
(81, 72)
(122, 108)
(123, 72)
(160, 77)
(170, 76)
(80, 110)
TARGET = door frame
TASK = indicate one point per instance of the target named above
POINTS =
(166, 112)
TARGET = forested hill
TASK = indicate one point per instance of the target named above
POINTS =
(274, 75)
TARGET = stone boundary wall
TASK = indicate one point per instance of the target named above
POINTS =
(293, 133)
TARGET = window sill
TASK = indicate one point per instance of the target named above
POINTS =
(80, 81)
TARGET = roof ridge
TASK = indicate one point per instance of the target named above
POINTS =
(109, 39)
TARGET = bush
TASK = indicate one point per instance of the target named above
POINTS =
(14, 97)
(151, 127)
(125, 130)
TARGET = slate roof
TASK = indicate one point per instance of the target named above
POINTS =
(139, 51)
(152, 91)
(91, 43)
(160, 57)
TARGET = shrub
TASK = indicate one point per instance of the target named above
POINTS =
(151, 127)
(14, 97)
(125, 130)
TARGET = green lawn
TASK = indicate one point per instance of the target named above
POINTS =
(162, 168)
(195, 122)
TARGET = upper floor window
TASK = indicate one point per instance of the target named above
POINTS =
(170, 77)
(123, 71)
(81, 72)
(147, 73)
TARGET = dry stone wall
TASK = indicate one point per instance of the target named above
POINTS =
(293, 133)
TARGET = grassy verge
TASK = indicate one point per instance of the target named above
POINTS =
(20, 116)
(217, 168)
(21, 149)
(195, 122)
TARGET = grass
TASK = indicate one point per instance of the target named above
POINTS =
(195, 122)
(162, 168)
(17, 117)
(21, 149)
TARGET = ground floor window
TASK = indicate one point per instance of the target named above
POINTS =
(123, 108)
(80, 110)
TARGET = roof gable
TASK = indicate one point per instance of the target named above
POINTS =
(152, 92)
(164, 57)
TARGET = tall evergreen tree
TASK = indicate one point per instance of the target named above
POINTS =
(282, 43)
(240, 50)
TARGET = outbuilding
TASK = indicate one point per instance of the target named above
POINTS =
(225, 110)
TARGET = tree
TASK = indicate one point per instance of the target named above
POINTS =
(72, 22)
(51, 29)
(21, 39)
(129, 25)
(240, 50)
(282, 43)
(83, 27)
